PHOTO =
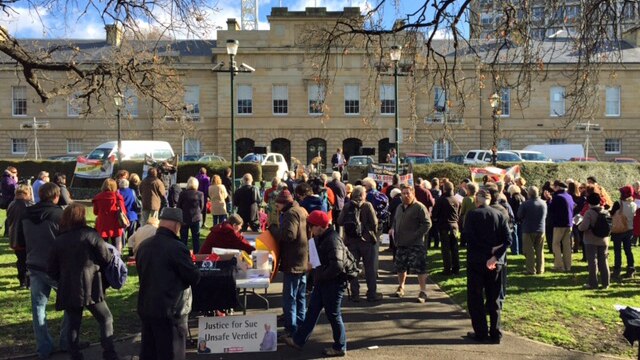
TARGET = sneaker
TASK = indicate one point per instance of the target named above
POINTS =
(400, 292)
(331, 352)
(375, 298)
(289, 341)
(422, 297)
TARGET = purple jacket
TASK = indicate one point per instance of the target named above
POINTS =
(8, 185)
(561, 209)
(203, 184)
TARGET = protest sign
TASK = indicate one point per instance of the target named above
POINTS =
(237, 334)
(381, 179)
(94, 169)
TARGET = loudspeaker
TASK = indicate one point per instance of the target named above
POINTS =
(368, 151)
(259, 149)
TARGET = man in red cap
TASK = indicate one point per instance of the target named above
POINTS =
(291, 235)
(330, 283)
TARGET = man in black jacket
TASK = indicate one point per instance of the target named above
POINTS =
(36, 232)
(340, 192)
(488, 238)
(166, 273)
(330, 284)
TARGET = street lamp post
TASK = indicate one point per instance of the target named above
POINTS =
(494, 101)
(232, 50)
(118, 99)
(395, 54)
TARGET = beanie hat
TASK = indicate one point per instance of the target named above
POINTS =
(318, 218)
(626, 192)
(593, 199)
(284, 197)
(395, 192)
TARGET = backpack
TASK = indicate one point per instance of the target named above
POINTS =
(602, 226)
(116, 271)
(380, 204)
(351, 222)
(350, 265)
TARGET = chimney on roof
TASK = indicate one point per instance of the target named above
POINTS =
(114, 34)
(232, 24)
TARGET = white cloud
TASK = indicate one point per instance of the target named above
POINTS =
(24, 21)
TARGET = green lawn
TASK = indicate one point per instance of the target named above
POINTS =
(554, 308)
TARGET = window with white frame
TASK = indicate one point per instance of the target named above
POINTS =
(192, 102)
(612, 146)
(280, 95)
(441, 149)
(74, 105)
(19, 95)
(557, 101)
(557, 141)
(316, 99)
(352, 99)
(131, 102)
(486, 19)
(245, 99)
(387, 99)
(439, 99)
(538, 14)
(191, 146)
(505, 102)
(19, 146)
(612, 94)
(504, 144)
(74, 146)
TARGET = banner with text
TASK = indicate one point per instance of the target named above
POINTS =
(237, 334)
(94, 169)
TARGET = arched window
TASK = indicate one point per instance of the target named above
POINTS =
(282, 146)
(383, 149)
(244, 146)
(315, 147)
(351, 146)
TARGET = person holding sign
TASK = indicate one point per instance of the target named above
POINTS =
(330, 284)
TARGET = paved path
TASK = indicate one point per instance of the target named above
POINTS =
(390, 329)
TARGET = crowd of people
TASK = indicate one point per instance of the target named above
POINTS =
(53, 243)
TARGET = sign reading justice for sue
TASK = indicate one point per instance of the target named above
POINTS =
(235, 334)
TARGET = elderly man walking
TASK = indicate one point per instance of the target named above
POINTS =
(411, 224)
(532, 214)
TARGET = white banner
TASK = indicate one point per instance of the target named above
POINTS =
(237, 334)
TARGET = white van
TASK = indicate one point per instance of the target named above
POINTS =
(559, 152)
(133, 150)
(269, 158)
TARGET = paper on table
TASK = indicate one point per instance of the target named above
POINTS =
(314, 259)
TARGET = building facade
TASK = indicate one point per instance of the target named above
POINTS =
(281, 106)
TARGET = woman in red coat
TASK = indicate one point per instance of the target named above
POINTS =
(105, 207)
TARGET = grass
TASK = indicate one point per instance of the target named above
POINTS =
(554, 308)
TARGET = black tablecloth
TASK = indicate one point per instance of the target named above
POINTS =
(216, 289)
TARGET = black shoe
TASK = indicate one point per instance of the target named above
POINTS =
(354, 298)
(446, 272)
(472, 336)
(377, 297)
(495, 340)
(630, 273)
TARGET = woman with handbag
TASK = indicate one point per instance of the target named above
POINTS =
(110, 211)
(622, 214)
(77, 256)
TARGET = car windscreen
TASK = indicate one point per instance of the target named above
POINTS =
(508, 157)
(533, 157)
(99, 154)
(358, 161)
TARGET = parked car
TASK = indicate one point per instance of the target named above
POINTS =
(63, 158)
(532, 156)
(191, 157)
(623, 160)
(211, 158)
(583, 159)
(357, 165)
(455, 159)
(417, 159)
(482, 157)
(269, 158)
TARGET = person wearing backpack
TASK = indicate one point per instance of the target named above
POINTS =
(360, 224)
(77, 258)
(329, 278)
(596, 242)
(622, 214)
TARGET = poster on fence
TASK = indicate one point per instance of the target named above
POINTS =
(381, 179)
(237, 334)
(94, 169)
(494, 173)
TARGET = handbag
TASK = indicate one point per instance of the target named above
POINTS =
(619, 223)
(123, 220)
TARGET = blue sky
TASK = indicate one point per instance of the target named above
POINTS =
(25, 23)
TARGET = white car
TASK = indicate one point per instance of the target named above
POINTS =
(269, 158)
(532, 156)
(483, 157)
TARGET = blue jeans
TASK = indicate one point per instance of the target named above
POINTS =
(622, 242)
(516, 240)
(327, 295)
(195, 235)
(294, 304)
(41, 285)
(219, 219)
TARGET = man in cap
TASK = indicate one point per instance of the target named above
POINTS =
(329, 287)
(561, 213)
(291, 234)
(488, 239)
(166, 273)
